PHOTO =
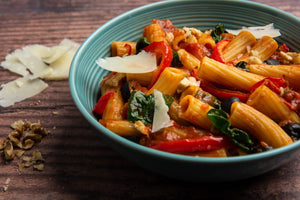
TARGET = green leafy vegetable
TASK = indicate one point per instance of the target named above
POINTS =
(242, 65)
(216, 33)
(141, 106)
(141, 44)
(176, 61)
(239, 137)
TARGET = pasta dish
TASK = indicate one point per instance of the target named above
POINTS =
(201, 93)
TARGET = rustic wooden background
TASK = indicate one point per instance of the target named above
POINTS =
(79, 165)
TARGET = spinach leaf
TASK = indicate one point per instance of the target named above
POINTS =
(216, 33)
(239, 137)
(141, 44)
(141, 106)
(176, 61)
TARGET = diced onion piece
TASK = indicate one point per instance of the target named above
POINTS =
(161, 119)
(20, 89)
(140, 63)
(259, 31)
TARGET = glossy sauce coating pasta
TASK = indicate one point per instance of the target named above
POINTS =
(205, 72)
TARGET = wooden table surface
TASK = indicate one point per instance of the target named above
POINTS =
(78, 164)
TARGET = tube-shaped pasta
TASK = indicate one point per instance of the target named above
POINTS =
(122, 48)
(178, 37)
(188, 61)
(154, 33)
(121, 127)
(143, 78)
(238, 45)
(168, 81)
(114, 107)
(264, 48)
(190, 90)
(291, 73)
(227, 75)
(258, 125)
(266, 101)
(174, 113)
(194, 111)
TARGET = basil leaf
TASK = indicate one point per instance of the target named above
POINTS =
(176, 60)
(141, 107)
(239, 137)
(141, 44)
(215, 34)
(219, 119)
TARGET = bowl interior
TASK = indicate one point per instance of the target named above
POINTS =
(85, 75)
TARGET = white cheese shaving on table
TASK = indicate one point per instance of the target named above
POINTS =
(259, 31)
(34, 62)
(140, 63)
(20, 89)
(161, 118)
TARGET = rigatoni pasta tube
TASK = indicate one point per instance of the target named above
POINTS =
(168, 81)
(154, 33)
(121, 127)
(143, 78)
(264, 48)
(227, 75)
(291, 73)
(188, 61)
(266, 101)
(114, 107)
(238, 45)
(122, 48)
(258, 125)
(194, 111)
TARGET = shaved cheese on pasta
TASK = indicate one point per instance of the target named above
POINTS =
(161, 119)
(140, 63)
(20, 89)
(259, 31)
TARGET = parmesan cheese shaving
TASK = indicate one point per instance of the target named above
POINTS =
(140, 63)
(161, 119)
(20, 89)
(259, 31)
(13, 64)
(34, 62)
(38, 68)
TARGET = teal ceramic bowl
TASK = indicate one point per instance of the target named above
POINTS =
(85, 77)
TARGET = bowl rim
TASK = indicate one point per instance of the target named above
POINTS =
(160, 154)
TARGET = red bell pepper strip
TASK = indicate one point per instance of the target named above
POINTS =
(162, 51)
(274, 83)
(217, 52)
(198, 50)
(205, 143)
(102, 102)
(221, 93)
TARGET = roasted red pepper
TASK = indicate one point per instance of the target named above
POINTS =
(205, 143)
(198, 50)
(274, 83)
(222, 93)
(217, 52)
(102, 102)
(162, 52)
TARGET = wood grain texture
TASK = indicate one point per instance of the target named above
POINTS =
(79, 165)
